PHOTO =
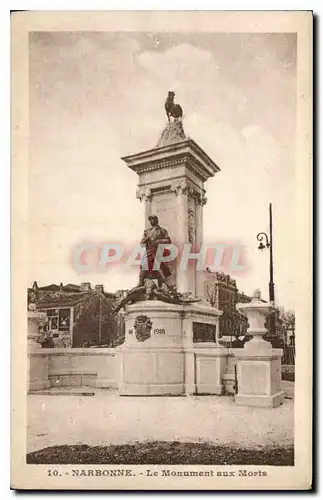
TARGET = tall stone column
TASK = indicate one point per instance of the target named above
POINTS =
(158, 356)
(171, 184)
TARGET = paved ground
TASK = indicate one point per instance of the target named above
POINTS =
(106, 418)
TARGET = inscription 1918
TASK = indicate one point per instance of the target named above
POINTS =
(159, 331)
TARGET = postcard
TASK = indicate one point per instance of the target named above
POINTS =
(161, 250)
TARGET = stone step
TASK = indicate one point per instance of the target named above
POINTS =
(64, 391)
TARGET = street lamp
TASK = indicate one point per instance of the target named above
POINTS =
(263, 237)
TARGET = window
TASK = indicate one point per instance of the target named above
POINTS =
(52, 315)
(59, 319)
(64, 320)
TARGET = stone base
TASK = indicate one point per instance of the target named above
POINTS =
(260, 401)
(209, 389)
(164, 361)
(152, 372)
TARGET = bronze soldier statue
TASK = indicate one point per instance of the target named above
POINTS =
(147, 288)
(152, 237)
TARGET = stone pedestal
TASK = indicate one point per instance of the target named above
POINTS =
(159, 356)
(152, 356)
(259, 378)
(258, 365)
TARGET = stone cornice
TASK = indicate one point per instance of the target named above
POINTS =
(186, 153)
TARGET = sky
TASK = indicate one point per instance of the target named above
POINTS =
(98, 96)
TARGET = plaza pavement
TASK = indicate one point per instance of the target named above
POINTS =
(106, 418)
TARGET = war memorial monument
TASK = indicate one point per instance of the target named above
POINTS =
(160, 355)
(171, 344)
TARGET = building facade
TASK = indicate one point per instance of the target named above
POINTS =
(78, 315)
(221, 291)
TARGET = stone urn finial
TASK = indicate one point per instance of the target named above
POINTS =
(256, 312)
(256, 294)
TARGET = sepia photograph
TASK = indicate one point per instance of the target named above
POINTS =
(162, 305)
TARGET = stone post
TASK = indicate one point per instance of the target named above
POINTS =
(35, 320)
(37, 378)
(258, 365)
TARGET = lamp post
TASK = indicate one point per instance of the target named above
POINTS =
(261, 237)
(100, 321)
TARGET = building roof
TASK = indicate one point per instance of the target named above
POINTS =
(53, 296)
(220, 278)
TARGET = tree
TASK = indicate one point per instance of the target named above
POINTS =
(95, 324)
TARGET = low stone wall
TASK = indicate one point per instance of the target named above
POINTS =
(85, 367)
(73, 368)
(205, 367)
